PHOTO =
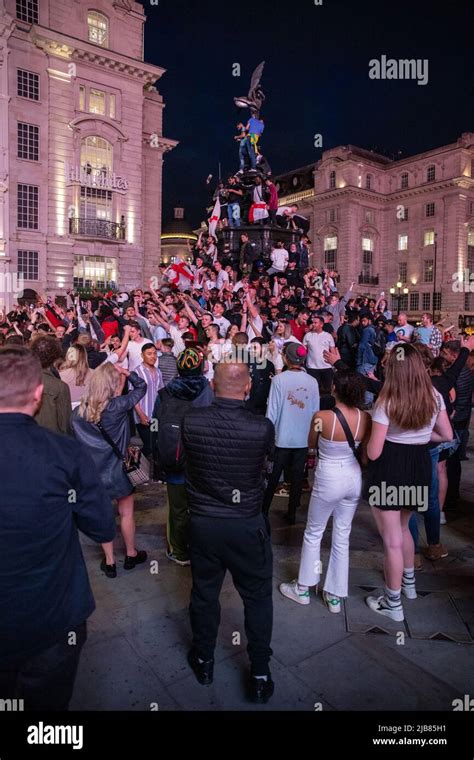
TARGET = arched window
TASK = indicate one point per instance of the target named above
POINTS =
(98, 28)
(332, 180)
(368, 182)
(330, 251)
(367, 257)
(97, 162)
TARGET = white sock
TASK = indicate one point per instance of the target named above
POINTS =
(301, 588)
(409, 574)
(393, 596)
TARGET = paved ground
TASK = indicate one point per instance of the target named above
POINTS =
(135, 658)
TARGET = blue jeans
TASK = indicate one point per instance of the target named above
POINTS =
(233, 213)
(364, 369)
(431, 516)
(247, 155)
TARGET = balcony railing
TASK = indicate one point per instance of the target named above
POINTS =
(368, 279)
(96, 228)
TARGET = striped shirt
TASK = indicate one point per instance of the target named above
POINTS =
(154, 383)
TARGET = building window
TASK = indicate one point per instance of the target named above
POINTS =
(96, 203)
(414, 301)
(330, 251)
(426, 302)
(112, 106)
(28, 141)
(94, 271)
(28, 264)
(331, 215)
(96, 155)
(332, 180)
(28, 84)
(369, 217)
(98, 28)
(28, 196)
(470, 251)
(429, 237)
(82, 98)
(402, 271)
(430, 209)
(97, 102)
(27, 10)
(431, 174)
(428, 270)
(368, 182)
(404, 302)
(403, 242)
(404, 181)
(437, 301)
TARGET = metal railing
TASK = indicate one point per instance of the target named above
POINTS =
(96, 228)
(368, 279)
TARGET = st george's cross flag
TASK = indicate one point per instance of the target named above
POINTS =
(216, 215)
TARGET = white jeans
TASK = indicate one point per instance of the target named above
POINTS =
(336, 492)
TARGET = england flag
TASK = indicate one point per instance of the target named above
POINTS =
(216, 215)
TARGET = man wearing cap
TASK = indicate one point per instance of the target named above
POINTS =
(190, 389)
(293, 399)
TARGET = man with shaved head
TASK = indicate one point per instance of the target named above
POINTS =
(226, 448)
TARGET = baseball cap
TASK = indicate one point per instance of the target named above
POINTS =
(295, 353)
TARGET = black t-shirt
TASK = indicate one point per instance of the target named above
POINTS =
(232, 196)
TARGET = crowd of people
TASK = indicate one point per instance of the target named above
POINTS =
(235, 377)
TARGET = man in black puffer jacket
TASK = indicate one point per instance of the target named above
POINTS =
(226, 448)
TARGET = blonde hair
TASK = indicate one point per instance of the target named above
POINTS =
(102, 387)
(407, 393)
(76, 359)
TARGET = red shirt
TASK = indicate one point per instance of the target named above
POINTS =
(299, 331)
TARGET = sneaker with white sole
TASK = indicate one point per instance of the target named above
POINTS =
(180, 562)
(442, 518)
(333, 603)
(382, 605)
(409, 589)
(291, 591)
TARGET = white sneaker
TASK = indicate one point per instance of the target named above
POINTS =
(291, 591)
(442, 518)
(333, 603)
(409, 590)
(381, 605)
(180, 562)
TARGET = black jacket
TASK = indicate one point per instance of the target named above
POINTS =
(226, 446)
(347, 342)
(50, 489)
(115, 421)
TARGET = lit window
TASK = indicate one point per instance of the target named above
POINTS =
(429, 237)
(470, 238)
(28, 264)
(430, 209)
(27, 84)
(330, 243)
(94, 271)
(367, 244)
(431, 174)
(112, 109)
(97, 102)
(28, 141)
(27, 10)
(403, 242)
(82, 98)
(96, 155)
(98, 28)
(404, 181)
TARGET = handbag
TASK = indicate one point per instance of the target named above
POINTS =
(135, 466)
(356, 450)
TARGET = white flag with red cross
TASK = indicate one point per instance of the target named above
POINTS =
(216, 215)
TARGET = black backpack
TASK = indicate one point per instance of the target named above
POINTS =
(378, 346)
(169, 446)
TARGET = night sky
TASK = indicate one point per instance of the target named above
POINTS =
(316, 81)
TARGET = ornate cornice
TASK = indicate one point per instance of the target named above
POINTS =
(92, 119)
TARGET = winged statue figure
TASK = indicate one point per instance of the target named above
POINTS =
(255, 99)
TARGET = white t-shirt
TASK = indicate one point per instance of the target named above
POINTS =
(282, 210)
(222, 279)
(224, 325)
(405, 331)
(316, 343)
(257, 323)
(135, 353)
(397, 435)
(279, 257)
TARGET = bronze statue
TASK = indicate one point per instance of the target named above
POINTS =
(256, 96)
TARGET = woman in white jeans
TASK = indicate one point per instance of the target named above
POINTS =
(336, 491)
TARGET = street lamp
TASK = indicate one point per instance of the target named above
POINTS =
(398, 292)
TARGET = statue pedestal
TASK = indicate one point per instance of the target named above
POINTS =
(263, 236)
